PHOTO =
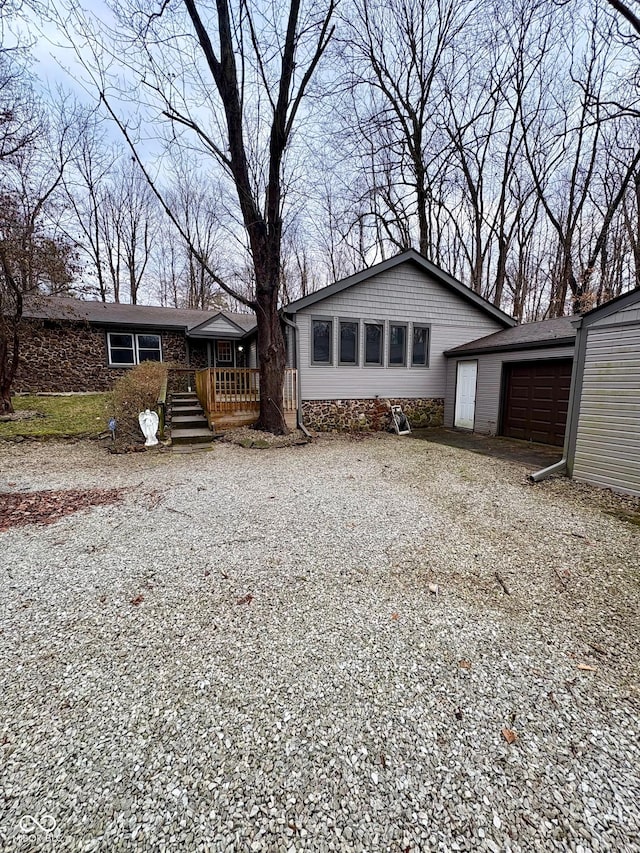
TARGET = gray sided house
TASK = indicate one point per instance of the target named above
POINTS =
(603, 438)
(381, 335)
(514, 383)
(73, 345)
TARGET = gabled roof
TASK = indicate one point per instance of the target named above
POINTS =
(545, 333)
(234, 324)
(121, 314)
(409, 256)
(619, 303)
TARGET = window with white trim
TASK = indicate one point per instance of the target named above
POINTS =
(127, 349)
(224, 352)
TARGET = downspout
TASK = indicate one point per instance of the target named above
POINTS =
(557, 468)
(293, 326)
(572, 414)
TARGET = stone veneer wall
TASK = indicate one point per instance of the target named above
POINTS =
(365, 415)
(64, 356)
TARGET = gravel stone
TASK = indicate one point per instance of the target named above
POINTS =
(245, 654)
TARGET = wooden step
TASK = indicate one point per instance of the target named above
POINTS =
(186, 411)
(186, 421)
(191, 436)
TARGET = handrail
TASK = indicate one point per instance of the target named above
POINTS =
(225, 389)
(161, 405)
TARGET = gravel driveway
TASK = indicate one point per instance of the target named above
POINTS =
(244, 653)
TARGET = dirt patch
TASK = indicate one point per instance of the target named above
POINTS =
(258, 440)
(24, 415)
(19, 508)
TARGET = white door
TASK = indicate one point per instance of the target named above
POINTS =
(465, 394)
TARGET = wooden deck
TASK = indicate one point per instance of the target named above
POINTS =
(230, 397)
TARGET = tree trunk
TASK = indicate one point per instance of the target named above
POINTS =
(272, 359)
(8, 369)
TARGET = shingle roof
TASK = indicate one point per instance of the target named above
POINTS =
(120, 314)
(544, 333)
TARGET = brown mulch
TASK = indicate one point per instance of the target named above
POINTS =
(45, 507)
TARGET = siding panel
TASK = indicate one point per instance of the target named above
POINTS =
(403, 294)
(626, 315)
(489, 388)
(608, 434)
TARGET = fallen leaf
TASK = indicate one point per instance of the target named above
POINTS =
(464, 664)
(585, 667)
(137, 600)
(246, 599)
(509, 735)
(394, 615)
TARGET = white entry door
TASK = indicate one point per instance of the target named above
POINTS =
(466, 394)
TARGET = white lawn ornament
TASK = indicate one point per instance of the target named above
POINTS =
(149, 425)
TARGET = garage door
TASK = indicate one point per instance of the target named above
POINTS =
(536, 399)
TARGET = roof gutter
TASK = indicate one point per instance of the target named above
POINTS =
(547, 343)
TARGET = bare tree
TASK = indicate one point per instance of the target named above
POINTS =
(86, 183)
(234, 88)
(194, 204)
(34, 257)
(627, 12)
(135, 222)
(396, 54)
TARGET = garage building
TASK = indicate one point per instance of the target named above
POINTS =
(514, 383)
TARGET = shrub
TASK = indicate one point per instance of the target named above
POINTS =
(134, 392)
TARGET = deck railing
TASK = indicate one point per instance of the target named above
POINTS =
(233, 389)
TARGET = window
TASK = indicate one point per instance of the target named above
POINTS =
(121, 349)
(349, 342)
(373, 335)
(149, 348)
(129, 349)
(420, 350)
(322, 334)
(397, 345)
(224, 352)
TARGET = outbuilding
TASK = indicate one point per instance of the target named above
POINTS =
(603, 438)
(515, 382)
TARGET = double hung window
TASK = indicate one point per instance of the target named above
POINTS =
(127, 349)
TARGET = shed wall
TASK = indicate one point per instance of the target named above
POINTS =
(625, 315)
(608, 434)
(489, 382)
(403, 295)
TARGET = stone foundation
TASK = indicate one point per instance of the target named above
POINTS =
(61, 356)
(370, 415)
